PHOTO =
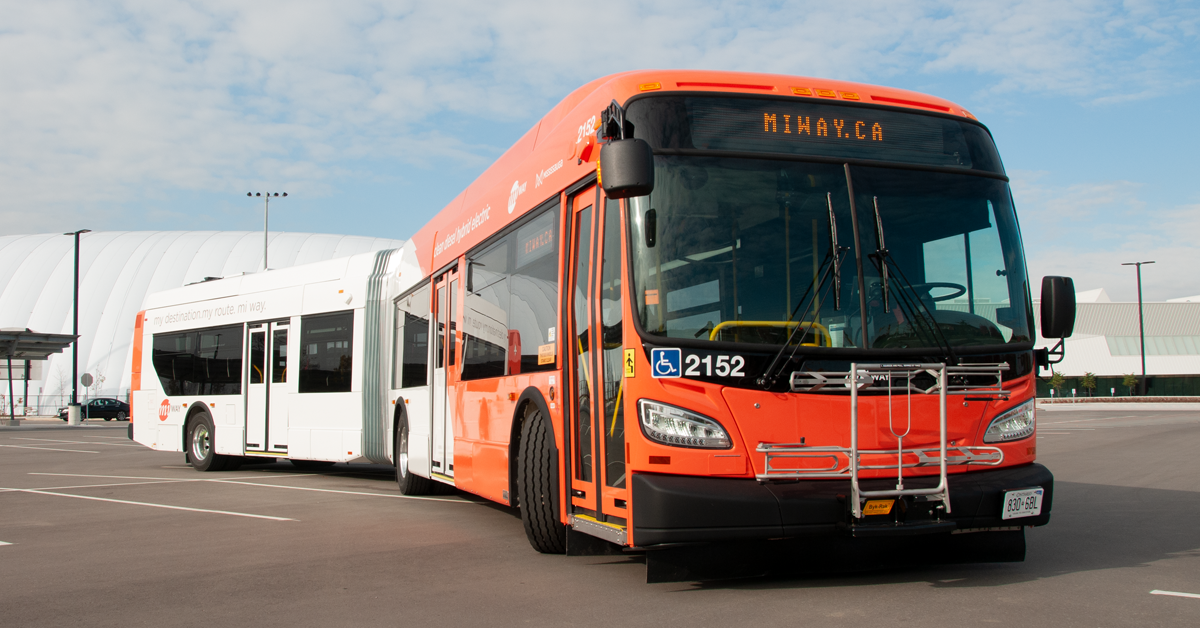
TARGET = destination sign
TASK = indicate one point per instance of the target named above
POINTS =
(806, 127)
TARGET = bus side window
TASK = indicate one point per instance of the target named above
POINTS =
(410, 362)
(512, 301)
(200, 362)
(326, 362)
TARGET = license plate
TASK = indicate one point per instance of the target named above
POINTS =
(1023, 503)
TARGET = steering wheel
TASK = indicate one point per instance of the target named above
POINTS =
(961, 290)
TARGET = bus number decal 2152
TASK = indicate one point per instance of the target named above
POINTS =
(721, 365)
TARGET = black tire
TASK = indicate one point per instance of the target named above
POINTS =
(121, 416)
(312, 465)
(536, 468)
(409, 483)
(199, 441)
(108, 418)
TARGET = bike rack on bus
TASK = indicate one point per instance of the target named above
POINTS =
(977, 380)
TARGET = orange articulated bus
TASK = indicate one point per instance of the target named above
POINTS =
(684, 307)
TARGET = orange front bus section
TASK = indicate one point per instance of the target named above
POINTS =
(663, 493)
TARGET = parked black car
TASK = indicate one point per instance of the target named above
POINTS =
(101, 408)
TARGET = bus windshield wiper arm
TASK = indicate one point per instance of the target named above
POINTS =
(919, 312)
(881, 252)
(836, 250)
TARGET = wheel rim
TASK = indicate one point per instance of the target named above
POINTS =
(120, 416)
(402, 464)
(201, 445)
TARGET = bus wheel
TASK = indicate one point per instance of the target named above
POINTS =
(410, 484)
(200, 444)
(536, 469)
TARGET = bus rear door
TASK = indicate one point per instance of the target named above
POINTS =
(444, 375)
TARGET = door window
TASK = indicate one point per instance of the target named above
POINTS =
(581, 308)
(279, 357)
(612, 348)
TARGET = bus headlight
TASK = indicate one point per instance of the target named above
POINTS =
(1015, 424)
(678, 427)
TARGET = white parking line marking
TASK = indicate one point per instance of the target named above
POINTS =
(329, 490)
(136, 477)
(1175, 593)
(63, 488)
(122, 501)
(78, 451)
(77, 442)
(3, 543)
(237, 480)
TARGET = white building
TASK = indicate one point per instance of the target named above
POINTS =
(117, 269)
(1105, 341)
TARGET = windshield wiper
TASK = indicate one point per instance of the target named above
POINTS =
(909, 295)
(837, 262)
(881, 251)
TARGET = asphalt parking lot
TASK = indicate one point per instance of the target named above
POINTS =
(98, 531)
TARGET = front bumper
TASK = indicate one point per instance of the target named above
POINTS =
(686, 509)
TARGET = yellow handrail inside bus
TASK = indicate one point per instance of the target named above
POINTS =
(822, 331)
(616, 408)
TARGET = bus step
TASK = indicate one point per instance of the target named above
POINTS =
(589, 525)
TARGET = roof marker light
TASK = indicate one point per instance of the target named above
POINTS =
(645, 87)
(849, 95)
(826, 93)
(802, 91)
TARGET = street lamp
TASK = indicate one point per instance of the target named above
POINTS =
(1141, 327)
(75, 322)
(266, 203)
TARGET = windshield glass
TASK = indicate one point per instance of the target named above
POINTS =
(739, 249)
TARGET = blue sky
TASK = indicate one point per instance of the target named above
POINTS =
(162, 114)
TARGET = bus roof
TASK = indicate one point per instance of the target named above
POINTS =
(560, 148)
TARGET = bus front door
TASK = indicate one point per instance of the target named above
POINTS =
(266, 391)
(598, 484)
(444, 375)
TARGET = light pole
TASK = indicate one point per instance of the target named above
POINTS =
(1141, 327)
(266, 203)
(75, 322)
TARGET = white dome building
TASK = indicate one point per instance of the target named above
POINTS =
(117, 269)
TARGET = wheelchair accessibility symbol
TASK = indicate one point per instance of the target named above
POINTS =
(666, 363)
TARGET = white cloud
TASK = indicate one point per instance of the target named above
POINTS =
(1086, 231)
(109, 104)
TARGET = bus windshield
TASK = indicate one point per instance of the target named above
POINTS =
(740, 249)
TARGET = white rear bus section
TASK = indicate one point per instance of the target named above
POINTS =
(290, 329)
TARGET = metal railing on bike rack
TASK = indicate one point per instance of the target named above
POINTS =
(977, 380)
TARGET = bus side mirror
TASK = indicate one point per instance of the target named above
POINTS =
(626, 168)
(1058, 307)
